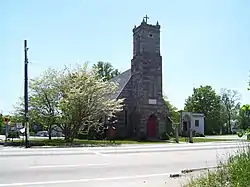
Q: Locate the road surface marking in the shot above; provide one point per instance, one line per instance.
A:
(85, 180)
(170, 149)
(65, 166)
(98, 153)
(94, 152)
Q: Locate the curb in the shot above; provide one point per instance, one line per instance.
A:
(175, 175)
(198, 169)
(186, 171)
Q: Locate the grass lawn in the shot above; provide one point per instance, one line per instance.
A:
(234, 173)
(77, 142)
(201, 139)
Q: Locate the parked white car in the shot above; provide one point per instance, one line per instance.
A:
(42, 133)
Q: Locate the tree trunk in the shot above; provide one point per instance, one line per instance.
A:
(67, 134)
(50, 131)
(229, 124)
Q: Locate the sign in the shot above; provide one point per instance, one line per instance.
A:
(22, 130)
(19, 125)
(152, 101)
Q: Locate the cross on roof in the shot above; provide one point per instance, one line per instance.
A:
(146, 18)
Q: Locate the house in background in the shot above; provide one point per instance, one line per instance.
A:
(192, 121)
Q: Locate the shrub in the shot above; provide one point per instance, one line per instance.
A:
(32, 134)
(142, 136)
(244, 132)
(235, 172)
(92, 133)
(164, 136)
(13, 134)
(240, 134)
(82, 136)
(239, 169)
(197, 134)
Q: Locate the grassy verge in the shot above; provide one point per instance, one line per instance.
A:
(77, 142)
(234, 173)
(200, 140)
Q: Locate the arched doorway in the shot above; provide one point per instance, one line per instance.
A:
(152, 126)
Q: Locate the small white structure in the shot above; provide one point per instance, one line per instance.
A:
(192, 121)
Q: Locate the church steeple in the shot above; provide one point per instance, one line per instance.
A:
(146, 64)
(146, 38)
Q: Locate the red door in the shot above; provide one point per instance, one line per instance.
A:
(152, 126)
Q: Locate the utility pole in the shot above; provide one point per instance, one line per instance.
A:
(26, 106)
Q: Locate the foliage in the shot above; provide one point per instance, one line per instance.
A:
(235, 172)
(231, 105)
(1, 124)
(85, 100)
(196, 134)
(175, 114)
(205, 100)
(105, 70)
(164, 136)
(244, 117)
(18, 114)
(45, 98)
(70, 99)
(82, 135)
(13, 134)
(142, 136)
(240, 134)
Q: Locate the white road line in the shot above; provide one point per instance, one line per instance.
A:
(98, 153)
(95, 152)
(65, 166)
(171, 149)
(85, 180)
(123, 151)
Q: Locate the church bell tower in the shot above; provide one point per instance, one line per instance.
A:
(146, 65)
(146, 72)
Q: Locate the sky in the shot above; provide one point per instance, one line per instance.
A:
(202, 42)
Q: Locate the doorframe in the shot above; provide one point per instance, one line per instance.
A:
(156, 125)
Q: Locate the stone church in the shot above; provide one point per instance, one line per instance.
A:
(145, 113)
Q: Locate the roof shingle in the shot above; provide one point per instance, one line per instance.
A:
(121, 80)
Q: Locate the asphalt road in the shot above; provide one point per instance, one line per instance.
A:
(133, 166)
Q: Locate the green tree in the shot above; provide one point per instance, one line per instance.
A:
(248, 85)
(85, 100)
(18, 114)
(1, 124)
(205, 100)
(174, 112)
(244, 117)
(44, 97)
(105, 70)
(70, 99)
(231, 105)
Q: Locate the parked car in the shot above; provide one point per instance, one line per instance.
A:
(42, 133)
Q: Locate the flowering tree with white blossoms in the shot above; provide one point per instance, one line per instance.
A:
(85, 100)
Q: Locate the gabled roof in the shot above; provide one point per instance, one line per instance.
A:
(121, 80)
